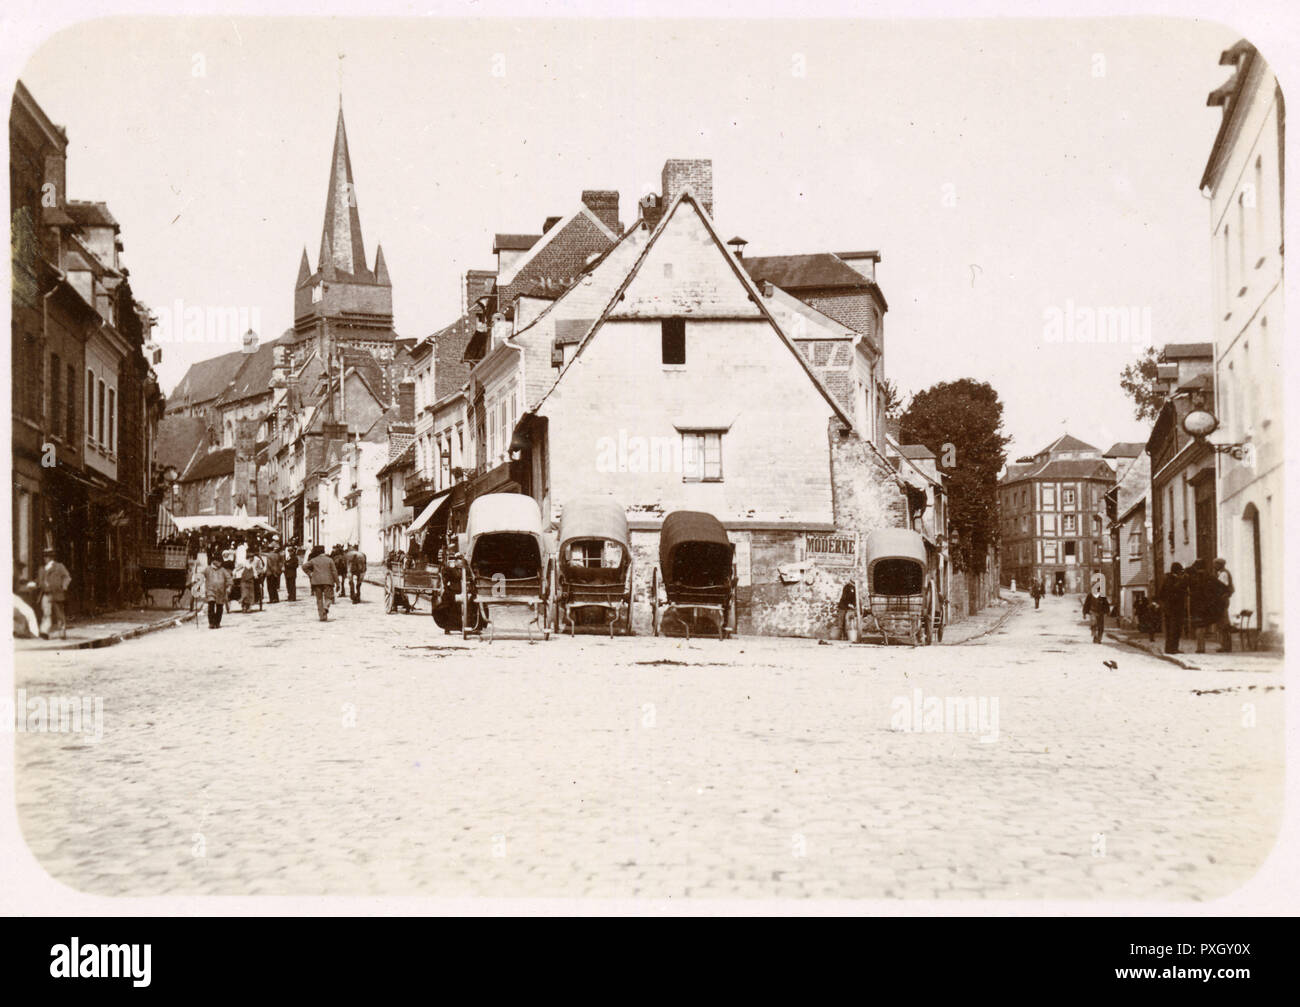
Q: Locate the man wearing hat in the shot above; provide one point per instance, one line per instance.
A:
(53, 580)
(274, 567)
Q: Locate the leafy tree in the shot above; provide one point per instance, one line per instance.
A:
(892, 400)
(1139, 381)
(961, 422)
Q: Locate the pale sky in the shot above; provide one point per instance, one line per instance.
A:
(1002, 168)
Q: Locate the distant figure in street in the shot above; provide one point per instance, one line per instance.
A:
(198, 581)
(1097, 606)
(1173, 604)
(1202, 601)
(53, 580)
(320, 571)
(274, 567)
(291, 557)
(244, 574)
(217, 590)
(1036, 592)
(258, 562)
(232, 591)
(356, 572)
(1225, 591)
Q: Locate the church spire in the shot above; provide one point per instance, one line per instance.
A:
(342, 231)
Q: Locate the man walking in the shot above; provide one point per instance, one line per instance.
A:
(1225, 588)
(1173, 604)
(274, 567)
(323, 577)
(291, 570)
(258, 563)
(1097, 605)
(217, 591)
(1036, 592)
(53, 580)
(1202, 602)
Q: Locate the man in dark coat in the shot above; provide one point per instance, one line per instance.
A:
(1202, 602)
(1173, 603)
(1097, 606)
(291, 570)
(320, 571)
(274, 567)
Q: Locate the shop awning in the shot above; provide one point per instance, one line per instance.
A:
(433, 506)
(213, 522)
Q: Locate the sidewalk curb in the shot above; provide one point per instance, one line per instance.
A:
(131, 634)
(1153, 653)
(1012, 609)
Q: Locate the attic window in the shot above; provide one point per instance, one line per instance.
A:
(673, 339)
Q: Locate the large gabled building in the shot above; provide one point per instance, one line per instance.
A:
(1054, 522)
(1244, 179)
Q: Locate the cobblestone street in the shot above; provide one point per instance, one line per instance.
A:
(376, 755)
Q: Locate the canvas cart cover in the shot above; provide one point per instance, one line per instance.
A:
(504, 512)
(693, 547)
(593, 517)
(896, 562)
(895, 543)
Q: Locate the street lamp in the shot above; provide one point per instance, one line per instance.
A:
(1200, 423)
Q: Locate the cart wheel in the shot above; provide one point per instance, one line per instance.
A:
(654, 601)
(928, 629)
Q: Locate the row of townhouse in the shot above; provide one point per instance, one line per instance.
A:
(86, 402)
(1210, 482)
(656, 364)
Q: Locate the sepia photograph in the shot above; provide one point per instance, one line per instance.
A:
(647, 463)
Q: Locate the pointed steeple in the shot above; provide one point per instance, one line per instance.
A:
(304, 268)
(381, 268)
(342, 221)
(326, 259)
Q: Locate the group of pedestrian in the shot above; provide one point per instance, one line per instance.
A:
(248, 572)
(1198, 597)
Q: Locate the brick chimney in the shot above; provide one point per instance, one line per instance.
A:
(406, 401)
(477, 283)
(679, 173)
(604, 204)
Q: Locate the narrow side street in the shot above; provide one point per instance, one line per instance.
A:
(375, 755)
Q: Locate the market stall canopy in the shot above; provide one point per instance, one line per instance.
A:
(426, 515)
(219, 522)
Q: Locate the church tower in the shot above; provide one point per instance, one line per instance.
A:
(343, 304)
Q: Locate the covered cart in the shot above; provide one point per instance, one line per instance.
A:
(408, 578)
(901, 597)
(504, 561)
(696, 569)
(593, 568)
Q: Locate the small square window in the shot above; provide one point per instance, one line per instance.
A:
(702, 456)
(673, 339)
